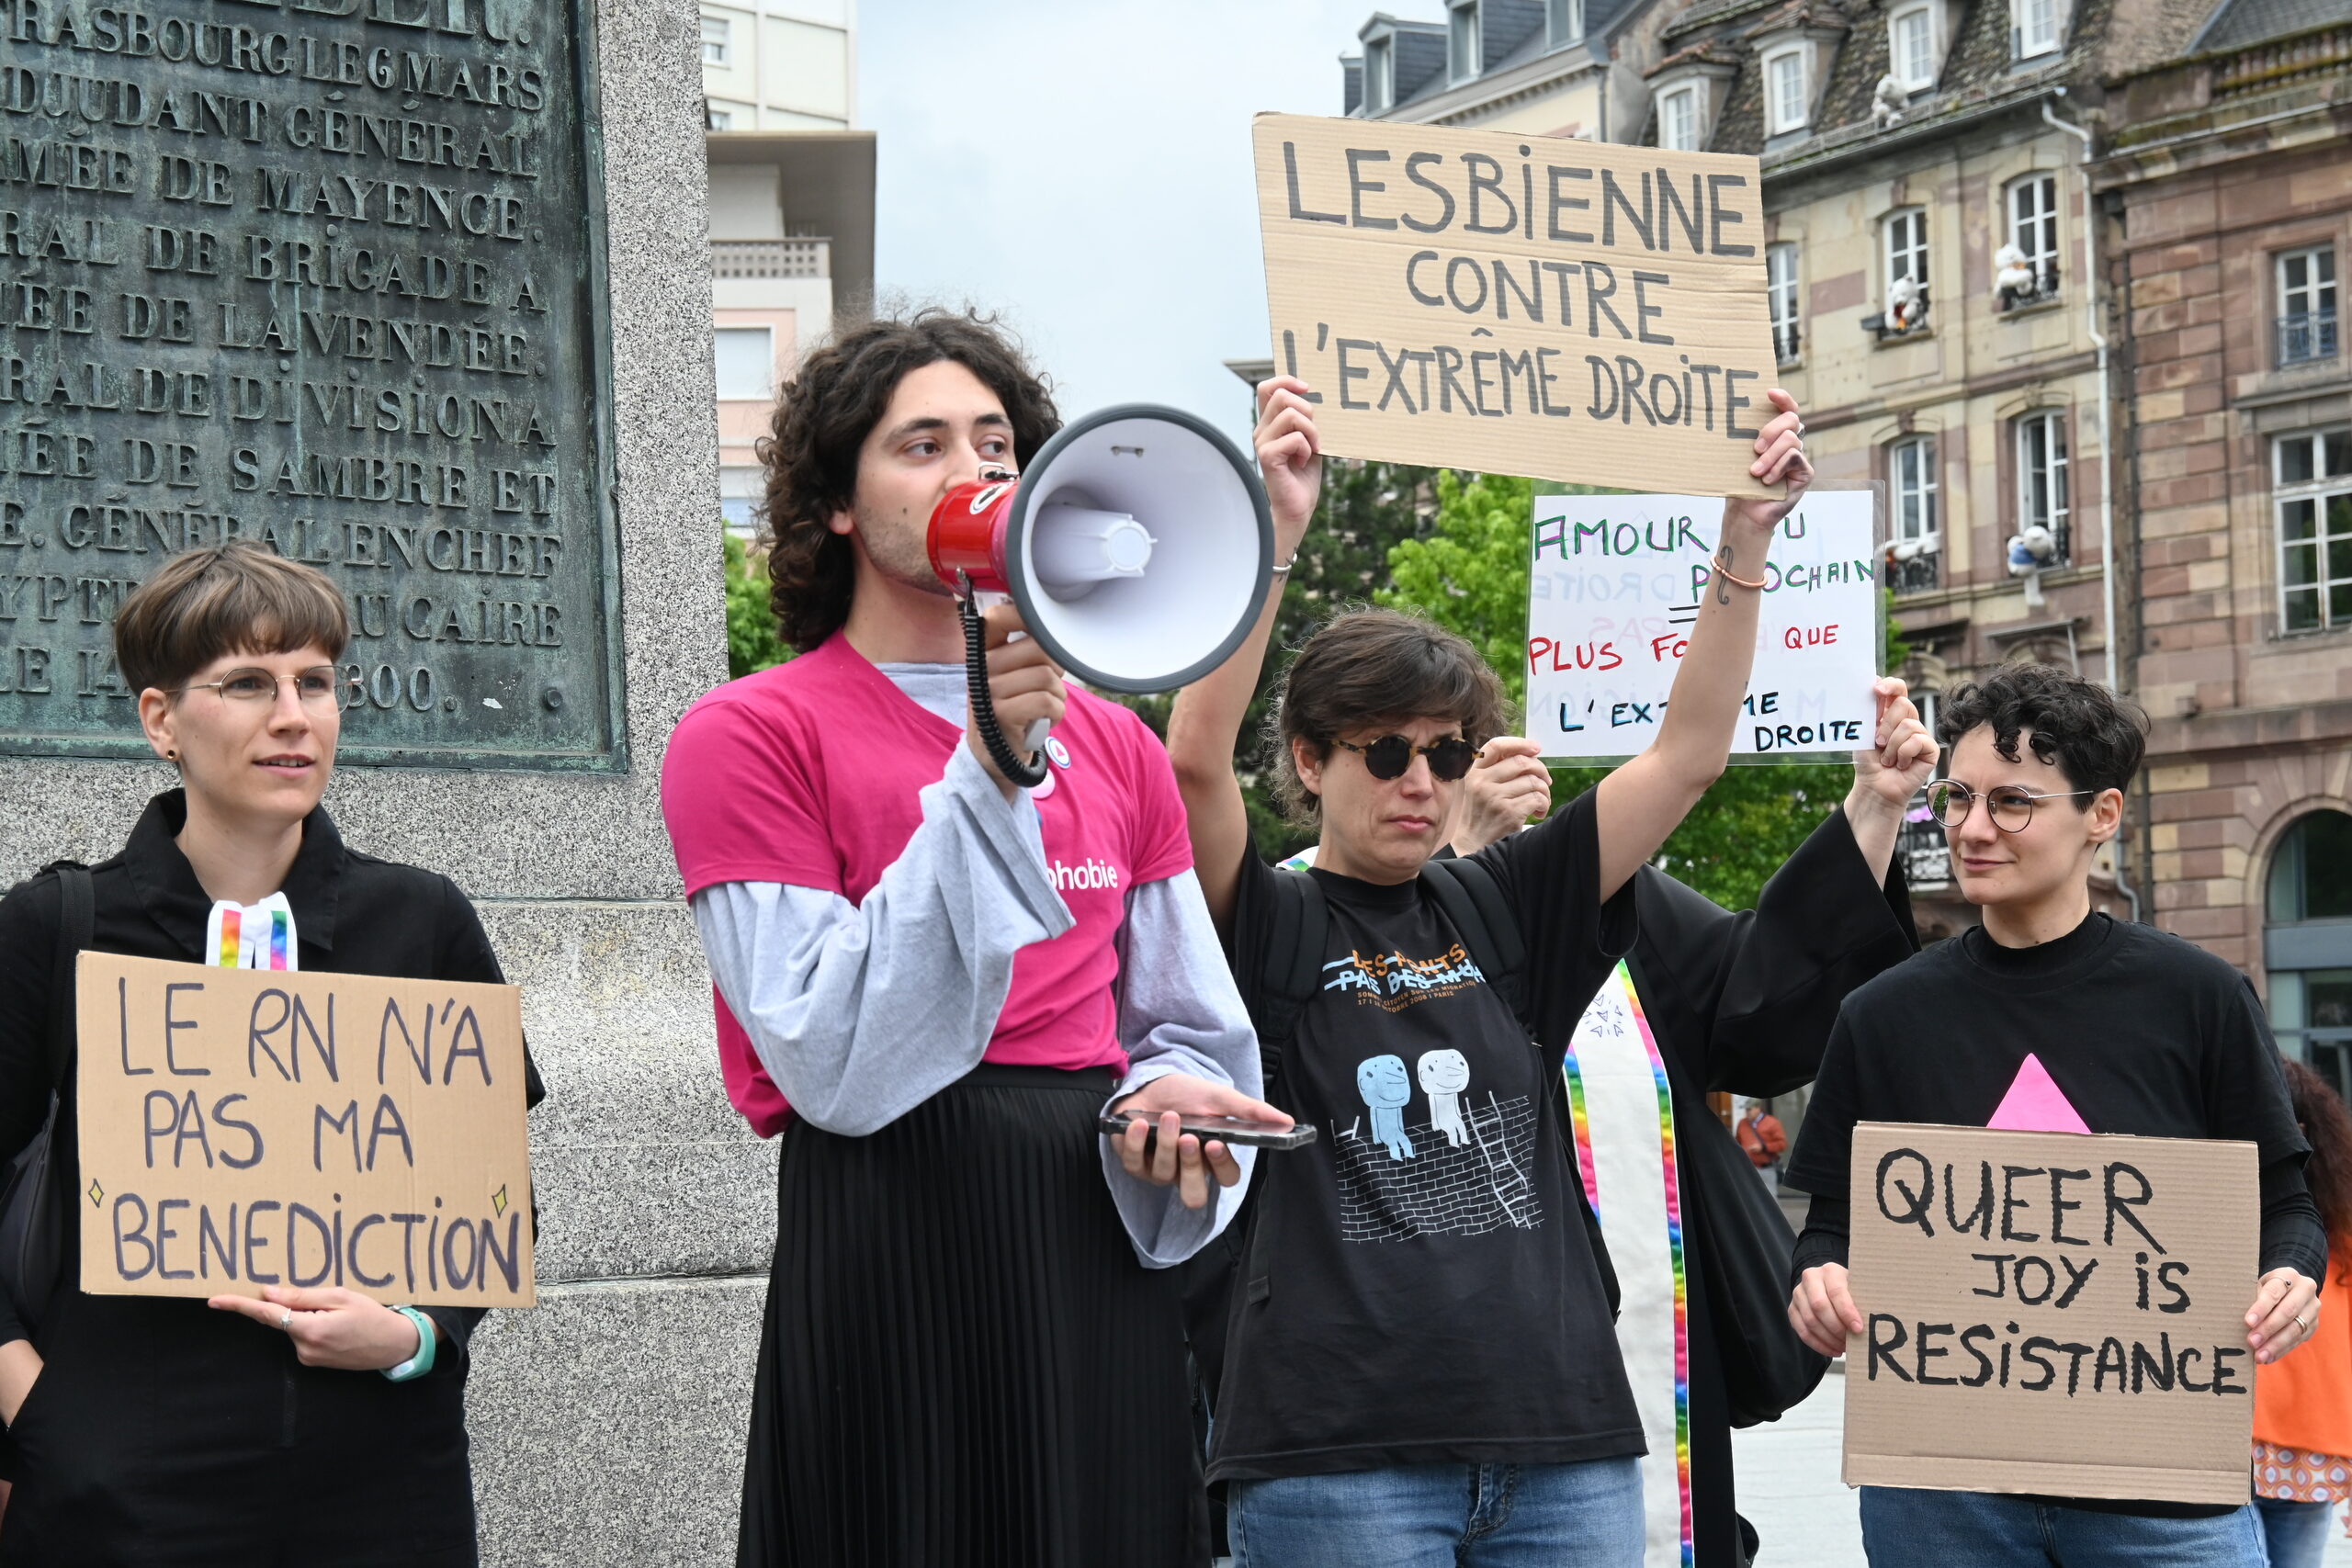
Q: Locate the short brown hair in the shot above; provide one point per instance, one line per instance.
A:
(1367, 667)
(231, 598)
(822, 418)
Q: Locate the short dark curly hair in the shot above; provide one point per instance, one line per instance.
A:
(1366, 667)
(822, 418)
(2090, 734)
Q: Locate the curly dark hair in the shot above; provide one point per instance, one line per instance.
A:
(2328, 1173)
(822, 418)
(2087, 732)
(1366, 667)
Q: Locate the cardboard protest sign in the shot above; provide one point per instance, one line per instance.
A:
(1613, 590)
(248, 1127)
(1520, 304)
(2051, 1313)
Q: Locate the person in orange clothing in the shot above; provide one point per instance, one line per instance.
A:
(2303, 1403)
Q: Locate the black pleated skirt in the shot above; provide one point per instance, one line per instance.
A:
(962, 1361)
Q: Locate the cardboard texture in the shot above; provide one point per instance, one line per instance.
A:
(2051, 1313)
(1614, 591)
(1484, 300)
(248, 1127)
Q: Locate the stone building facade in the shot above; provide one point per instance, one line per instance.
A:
(2230, 174)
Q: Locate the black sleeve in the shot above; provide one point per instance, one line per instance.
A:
(2292, 1236)
(1824, 1145)
(1550, 875)
(1761, 990)
(2245, 1088)
(1828, 1224)
(28, 920)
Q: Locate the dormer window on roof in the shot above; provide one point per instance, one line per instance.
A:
(1379, 75)
(1562, 23)
(1462, 41)
(1788, 90)
(1915, 43)
(1677, 120)
(2036, 28)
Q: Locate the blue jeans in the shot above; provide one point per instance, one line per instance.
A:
(2295, 1533)
(1443, 1515)
(1903, 1527)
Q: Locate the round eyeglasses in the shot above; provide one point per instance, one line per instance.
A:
(2009, 806)
(1389, 757)
(317, 686)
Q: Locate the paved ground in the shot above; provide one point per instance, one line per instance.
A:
(1789, 1488)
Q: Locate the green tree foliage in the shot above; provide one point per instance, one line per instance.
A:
(752, 642)
(1470, 574)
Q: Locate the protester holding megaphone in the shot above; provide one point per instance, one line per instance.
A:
(947, 900)
(1418, 1367)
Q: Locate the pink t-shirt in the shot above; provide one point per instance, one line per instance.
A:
(808, 774)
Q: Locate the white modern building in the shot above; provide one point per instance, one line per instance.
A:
(791, 207)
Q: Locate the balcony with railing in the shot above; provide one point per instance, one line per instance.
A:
(2041, 291)
(1927, 857)
(1787, 343)
(1914, 566)
(801, 256)
(2307, 336)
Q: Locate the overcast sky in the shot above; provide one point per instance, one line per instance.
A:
(1084, 166)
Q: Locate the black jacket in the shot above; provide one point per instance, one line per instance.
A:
(162, 1432)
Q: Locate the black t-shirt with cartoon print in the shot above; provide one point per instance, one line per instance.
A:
(1418, 1286)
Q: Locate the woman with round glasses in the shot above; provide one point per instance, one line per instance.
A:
(2052, 1016)
(1419, 1364)
(311, 1426)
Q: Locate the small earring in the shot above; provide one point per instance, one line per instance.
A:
(171, 756)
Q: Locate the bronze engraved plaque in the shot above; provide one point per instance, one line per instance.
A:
(326, 274)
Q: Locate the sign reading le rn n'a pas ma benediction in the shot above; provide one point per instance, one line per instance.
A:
(242, 1128)
(1520, 304)
(2051, 1313)
(325, 274)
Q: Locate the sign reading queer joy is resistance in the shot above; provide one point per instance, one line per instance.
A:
(1613, 590)
(1520, 304)
(243, 1128)
(2051, 1313)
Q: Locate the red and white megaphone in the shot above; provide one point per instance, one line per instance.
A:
(1137, 548)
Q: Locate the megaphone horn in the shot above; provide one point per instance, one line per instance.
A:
(1137, 547)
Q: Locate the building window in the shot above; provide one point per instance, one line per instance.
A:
(2033, 28)
(740, 490)
(2314, 494)
(1563, 21)
(715, 30)
(1677, 120)
(1911, 49)
(745, 357)
(1913, 465)
(2041, 482)
(1462, 41)
(1379, 76)
(717, 119)
(2034, 233)
(2307, 304)
(2307, 943)
(1780, 278)
(1787, 96)
(1906, 247)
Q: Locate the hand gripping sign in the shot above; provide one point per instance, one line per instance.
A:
(246, 1127)
(1520, 304)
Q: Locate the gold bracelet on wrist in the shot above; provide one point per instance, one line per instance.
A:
(1729, 575)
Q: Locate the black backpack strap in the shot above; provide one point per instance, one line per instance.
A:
(1473, 901)
(1293, 972)
(76, 917)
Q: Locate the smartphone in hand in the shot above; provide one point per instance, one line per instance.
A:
(1235, 1130)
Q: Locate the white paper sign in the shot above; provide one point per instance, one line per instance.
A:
(1615, 593)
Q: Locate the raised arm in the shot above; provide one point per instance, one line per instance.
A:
(1642, 801)
(1208, 714)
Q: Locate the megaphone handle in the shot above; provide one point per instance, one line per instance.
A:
(1029, 775)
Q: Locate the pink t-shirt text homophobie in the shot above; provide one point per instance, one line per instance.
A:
(809, 773)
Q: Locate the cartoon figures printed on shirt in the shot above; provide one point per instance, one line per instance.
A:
(1445, 1075)
(1382, 1082)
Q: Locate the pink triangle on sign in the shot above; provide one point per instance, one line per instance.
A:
(2035, 1104)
